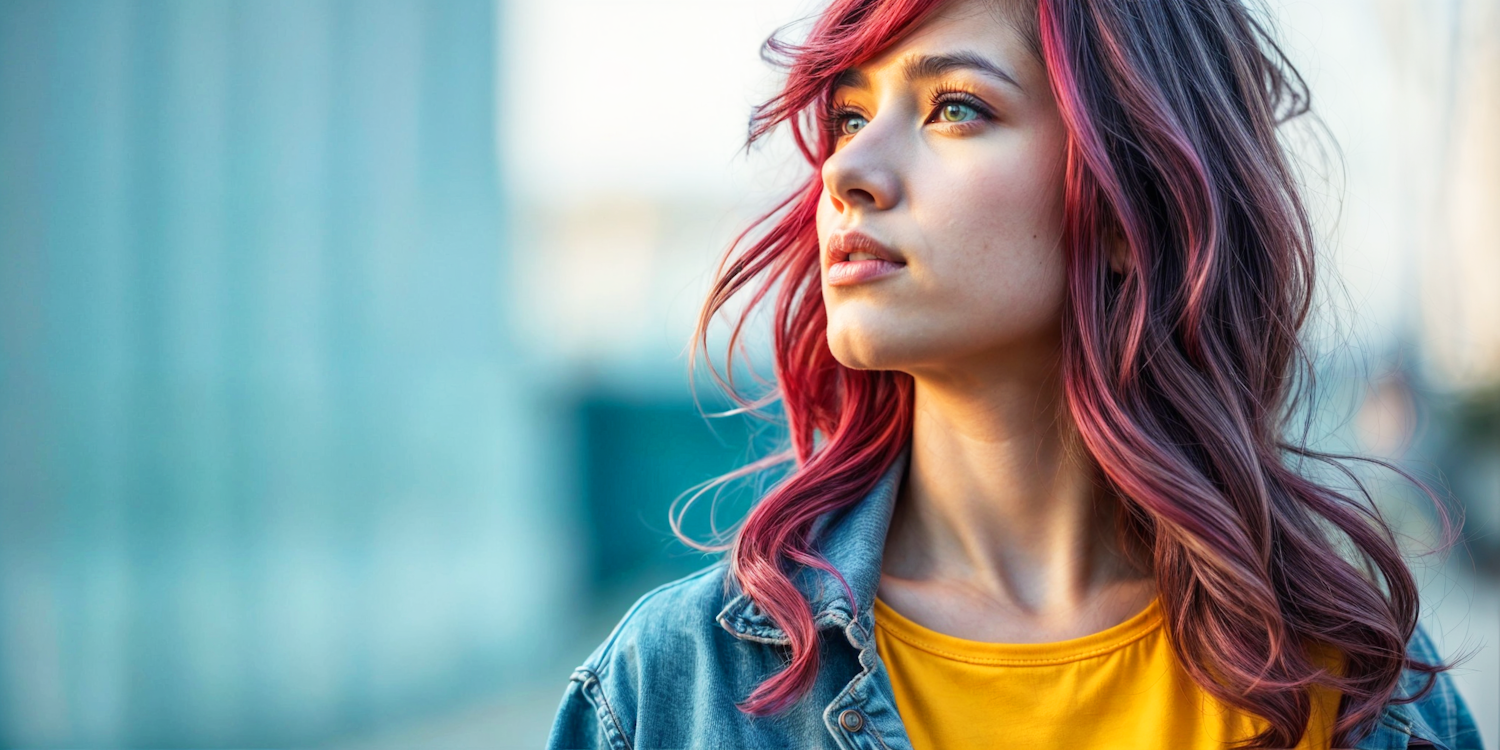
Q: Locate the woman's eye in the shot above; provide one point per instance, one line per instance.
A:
(956, 112)
(852, 124)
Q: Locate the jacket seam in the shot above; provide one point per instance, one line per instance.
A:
(602, 658)
(608, 719)
(855, 690)
(868, 639)
(879, 738)
(745, 629)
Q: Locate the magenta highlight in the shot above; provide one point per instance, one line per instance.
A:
(1181, 372)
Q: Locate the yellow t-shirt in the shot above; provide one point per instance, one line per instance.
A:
(1120, 689)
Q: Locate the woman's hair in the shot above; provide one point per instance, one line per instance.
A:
(1181, 372)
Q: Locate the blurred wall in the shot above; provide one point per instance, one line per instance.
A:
(263, 455)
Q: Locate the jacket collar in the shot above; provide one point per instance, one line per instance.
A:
(1406, 719)
(1401, 724)
(852, 540)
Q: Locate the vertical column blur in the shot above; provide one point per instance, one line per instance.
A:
(265, 460)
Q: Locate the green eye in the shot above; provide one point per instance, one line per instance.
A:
(955, 112)
(852, 124)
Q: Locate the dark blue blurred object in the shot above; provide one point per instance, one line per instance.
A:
(640, 456)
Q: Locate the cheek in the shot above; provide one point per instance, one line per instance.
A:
(822, 216)
(1010, 200)
(993, 235)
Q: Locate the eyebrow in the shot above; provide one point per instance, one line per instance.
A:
(932, 66)
(921, 67)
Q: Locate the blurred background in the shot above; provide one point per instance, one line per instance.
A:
(342, 388)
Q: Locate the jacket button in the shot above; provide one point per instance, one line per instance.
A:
(852, 720)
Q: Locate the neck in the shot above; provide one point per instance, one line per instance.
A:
(1001, 499)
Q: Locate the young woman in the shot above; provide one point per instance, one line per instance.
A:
(1035, 336)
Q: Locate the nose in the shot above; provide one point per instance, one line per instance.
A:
(863, 174)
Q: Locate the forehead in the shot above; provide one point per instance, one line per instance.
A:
(994, 30)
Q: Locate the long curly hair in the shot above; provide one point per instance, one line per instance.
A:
(1181, 371)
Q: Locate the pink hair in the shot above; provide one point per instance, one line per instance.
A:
(1181, 373)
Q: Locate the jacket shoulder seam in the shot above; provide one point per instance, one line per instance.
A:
(600, 662)
(609, 721)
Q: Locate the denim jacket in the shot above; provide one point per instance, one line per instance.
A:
(671, 672)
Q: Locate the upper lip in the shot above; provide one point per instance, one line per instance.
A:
(844, 244)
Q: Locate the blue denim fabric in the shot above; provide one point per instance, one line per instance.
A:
(670, 673)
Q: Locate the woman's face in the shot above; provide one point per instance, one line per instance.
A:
(941, 214)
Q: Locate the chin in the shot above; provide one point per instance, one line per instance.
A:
(869, 348)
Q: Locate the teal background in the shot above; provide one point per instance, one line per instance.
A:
(259, 433)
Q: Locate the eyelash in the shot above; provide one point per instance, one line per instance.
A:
(944, 95)
(833, 119)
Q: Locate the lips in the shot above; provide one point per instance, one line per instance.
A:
(856, 258)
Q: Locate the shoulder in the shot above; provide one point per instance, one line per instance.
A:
(665, 620)
(1436, 712)
(666, 654)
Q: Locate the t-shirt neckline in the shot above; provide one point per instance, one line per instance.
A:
(1089, 646)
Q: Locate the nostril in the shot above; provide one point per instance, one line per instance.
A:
(857, 195)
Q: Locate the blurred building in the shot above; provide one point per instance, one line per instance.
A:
(266, 462)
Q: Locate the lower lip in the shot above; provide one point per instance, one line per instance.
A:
(845, 273)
